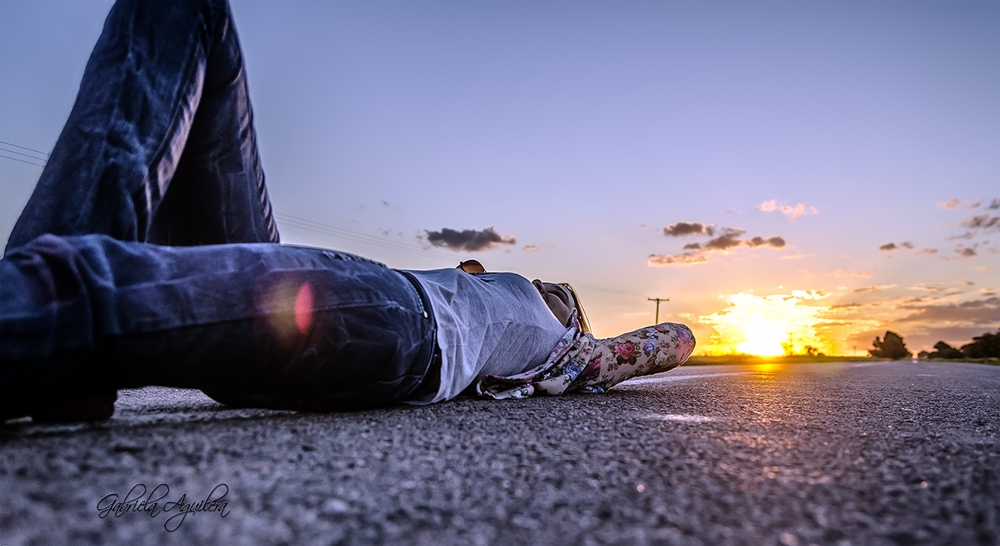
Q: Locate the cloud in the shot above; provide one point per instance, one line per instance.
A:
(695, 252)
(468, 240)
(842, 273)
(930, 287)
(875, 288)
(949, 204)
(796, 256)
(965, 251)
(689, 228)
(776, 242)
(810, 294)
(791, 211)
(928, 251)
(984, 222)
(768, 206)
(979, 312)
(530, 248)
(660, 260)
(994, 204)
(955, 335)
(724, 242)
(888, 247)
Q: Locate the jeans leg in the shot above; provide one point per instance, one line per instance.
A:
(140, 103)
(218, 194)
(278, 326)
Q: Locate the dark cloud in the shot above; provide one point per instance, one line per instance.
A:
(911, 300)
(688, 228)
(994, 205)
(965, 251)
(730, 237)
(983, 313)
(893, 246)
(468, 240)
(776, 242)
(982, 221)
(955, 335)
(723, 242)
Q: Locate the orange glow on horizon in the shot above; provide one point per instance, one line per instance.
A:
(767, 326)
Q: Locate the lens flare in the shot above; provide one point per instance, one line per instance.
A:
(304, 307)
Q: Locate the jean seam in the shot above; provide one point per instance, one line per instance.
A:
(254, 316)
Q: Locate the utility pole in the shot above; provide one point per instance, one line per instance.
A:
(658, 300)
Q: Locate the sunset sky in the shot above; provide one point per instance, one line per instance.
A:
(813, 171)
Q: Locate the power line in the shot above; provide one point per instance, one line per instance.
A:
(46, 154)
(7, 148)
(21, 160)
(23, 154)
(320, 227)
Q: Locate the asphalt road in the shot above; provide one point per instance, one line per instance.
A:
(880, 453)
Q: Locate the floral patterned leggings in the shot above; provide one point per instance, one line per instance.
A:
(582, 363)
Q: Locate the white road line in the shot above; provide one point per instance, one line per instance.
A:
(665, 378)
(680, 417)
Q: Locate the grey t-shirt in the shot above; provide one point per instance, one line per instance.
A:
(487, 324)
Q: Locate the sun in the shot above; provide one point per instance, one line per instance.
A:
(771, 325)
(763, 337)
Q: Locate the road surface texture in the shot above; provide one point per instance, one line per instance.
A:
(887, 453)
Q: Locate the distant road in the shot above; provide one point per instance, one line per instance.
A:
(887, 453)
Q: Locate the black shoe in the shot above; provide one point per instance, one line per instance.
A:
(71, 409)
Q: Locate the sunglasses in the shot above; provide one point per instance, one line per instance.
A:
(473, 266)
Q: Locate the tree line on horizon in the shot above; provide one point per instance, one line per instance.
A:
(893, 347)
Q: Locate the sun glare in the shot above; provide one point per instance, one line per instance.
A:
(767, 325)
(763, 337)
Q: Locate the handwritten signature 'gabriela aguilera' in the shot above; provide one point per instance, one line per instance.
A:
(136, 500)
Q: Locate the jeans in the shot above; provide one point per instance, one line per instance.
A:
(148, 255)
